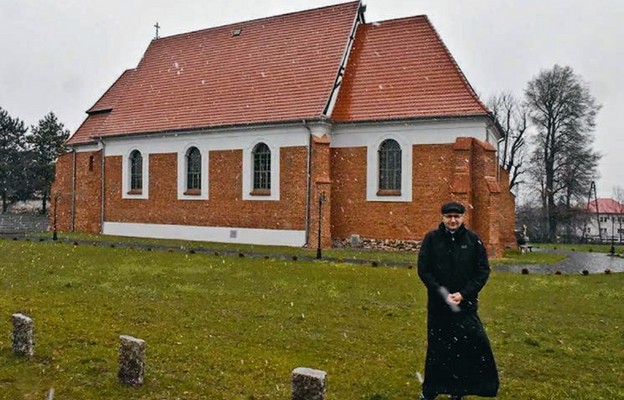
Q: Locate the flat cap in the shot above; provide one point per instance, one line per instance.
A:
(453, 207)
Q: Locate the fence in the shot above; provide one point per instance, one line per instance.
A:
(23, 223)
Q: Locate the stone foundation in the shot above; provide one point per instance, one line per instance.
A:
(378, 244)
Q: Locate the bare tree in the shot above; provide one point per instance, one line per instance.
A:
(512, 116)
(563, 111)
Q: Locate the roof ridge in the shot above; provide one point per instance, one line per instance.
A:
(471, 90)
(398, 19)
(342, 67)
(257, 20)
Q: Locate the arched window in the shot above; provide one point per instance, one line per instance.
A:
(136, 171)
(389, 166)
(193, 169)
(261, 167)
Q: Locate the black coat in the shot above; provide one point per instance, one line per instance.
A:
(459, 356)
(457, 262)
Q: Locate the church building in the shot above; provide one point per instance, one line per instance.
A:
(246, 133)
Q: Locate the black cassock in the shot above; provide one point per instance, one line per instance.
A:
(459, 356)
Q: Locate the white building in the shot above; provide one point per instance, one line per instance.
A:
(605, 221)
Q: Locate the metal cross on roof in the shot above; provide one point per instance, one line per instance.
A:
(157, 28)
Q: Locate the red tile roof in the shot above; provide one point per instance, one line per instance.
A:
(284, 68)
(89, 129)
(606, 206)
(99, 113)
(280, 68)
(402, 69)
(114, 93)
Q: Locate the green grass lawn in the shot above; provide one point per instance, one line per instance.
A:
(287, 251)
(344, 254)
(234, 328)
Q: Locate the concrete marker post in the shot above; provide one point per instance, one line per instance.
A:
(131, 360)
(23, 335)
(308, 384)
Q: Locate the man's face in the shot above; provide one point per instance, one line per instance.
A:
(452, 221)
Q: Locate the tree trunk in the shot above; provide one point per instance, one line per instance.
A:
(551, 151)
(550, 202)
(44, 202)
(552, 219)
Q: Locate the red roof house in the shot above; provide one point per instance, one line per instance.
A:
(234, 133)
(604, 220)
(605, 206)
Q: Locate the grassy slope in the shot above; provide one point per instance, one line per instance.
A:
(234, 328)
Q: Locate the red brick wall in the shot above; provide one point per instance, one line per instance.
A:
(320, 183)
(495, 219)
(87, 196)
(462, 189)
(484, 220)
(432, 167)
(464, 171)
(224, 206)
(441, 173)
(62, 187)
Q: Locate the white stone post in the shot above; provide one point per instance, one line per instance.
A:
(131, 360)
(308, 384)
(23, 337)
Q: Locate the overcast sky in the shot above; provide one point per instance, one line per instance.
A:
(61, 55)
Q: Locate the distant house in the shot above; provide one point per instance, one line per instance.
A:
(604, 220)
(235, 133)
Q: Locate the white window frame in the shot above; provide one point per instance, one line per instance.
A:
(248, 172)
(372, 170)
(125, 175)
(182, 175)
